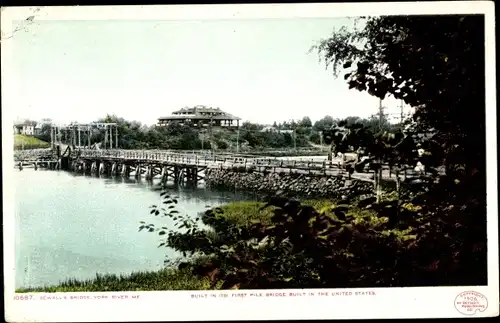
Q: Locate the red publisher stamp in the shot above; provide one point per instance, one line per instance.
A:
(468, 303)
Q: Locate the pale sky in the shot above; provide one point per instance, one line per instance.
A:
(259, 70)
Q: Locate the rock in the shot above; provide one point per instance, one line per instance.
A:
(285, 183)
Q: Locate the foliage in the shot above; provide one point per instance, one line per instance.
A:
(133, 135)
(339, 246)
(431, 233)
(435, 64)
(44, 133)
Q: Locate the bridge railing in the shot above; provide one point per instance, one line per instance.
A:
(211, 160)
(167, 156)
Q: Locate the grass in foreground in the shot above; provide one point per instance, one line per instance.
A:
(243, 213)
(164, 279)
(29, 142)
(240, 213)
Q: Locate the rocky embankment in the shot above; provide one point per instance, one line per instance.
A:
(306, 185)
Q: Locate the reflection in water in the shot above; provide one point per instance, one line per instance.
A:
(74, 225)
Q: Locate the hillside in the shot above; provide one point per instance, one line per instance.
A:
(29, 142)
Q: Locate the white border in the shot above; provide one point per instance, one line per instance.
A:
(180, 306)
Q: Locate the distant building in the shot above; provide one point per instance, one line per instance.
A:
(25, 128)
(201, 116)
(275, 129)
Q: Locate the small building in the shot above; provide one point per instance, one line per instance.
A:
(276, 130)
(201, 116)
(269, 129)
(25, 128)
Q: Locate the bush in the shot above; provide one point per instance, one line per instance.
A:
(284, 244)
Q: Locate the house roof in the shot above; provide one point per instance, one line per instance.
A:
(199, 117)
(25, 123)
(196, 113)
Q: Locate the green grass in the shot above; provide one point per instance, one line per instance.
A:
(165, 279)
(242, 213)
(29, 142)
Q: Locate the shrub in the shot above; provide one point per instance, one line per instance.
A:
(284, 244)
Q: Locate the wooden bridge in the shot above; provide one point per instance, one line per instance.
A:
(183, 167)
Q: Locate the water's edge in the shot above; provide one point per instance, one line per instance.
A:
(71, 225)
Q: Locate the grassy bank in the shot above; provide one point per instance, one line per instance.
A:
(239, 213)
(29, 142)
(165, 279)
(243, 213)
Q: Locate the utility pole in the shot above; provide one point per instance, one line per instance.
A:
(380, 114)
(111, 137)
(211, 135)
(238, 139)
(378, 171)
(89, 135)
(105, 137)
(116, 136)
(202, 135)
(52, 137)
(295, 140)
(402, 115)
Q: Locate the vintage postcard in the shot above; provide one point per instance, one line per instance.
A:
(249, 162)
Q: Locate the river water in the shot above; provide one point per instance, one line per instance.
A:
(74, 226)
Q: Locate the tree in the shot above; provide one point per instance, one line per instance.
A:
(436, 65)
(305, 122)
(426, 61)
(44, 133)
(434, 235)
(325, 123)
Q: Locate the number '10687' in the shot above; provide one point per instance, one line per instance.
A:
(23, 297)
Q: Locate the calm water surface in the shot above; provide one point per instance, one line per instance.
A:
(74, 226)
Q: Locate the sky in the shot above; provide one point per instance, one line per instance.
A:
(257, 69)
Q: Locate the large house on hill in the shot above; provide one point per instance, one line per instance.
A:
(201, 116)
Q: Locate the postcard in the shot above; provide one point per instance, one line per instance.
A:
(249, 162)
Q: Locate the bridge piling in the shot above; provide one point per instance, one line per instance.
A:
(164, 174)
(138, 171)
(148, 173)
(125, 170)
(176, 174)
